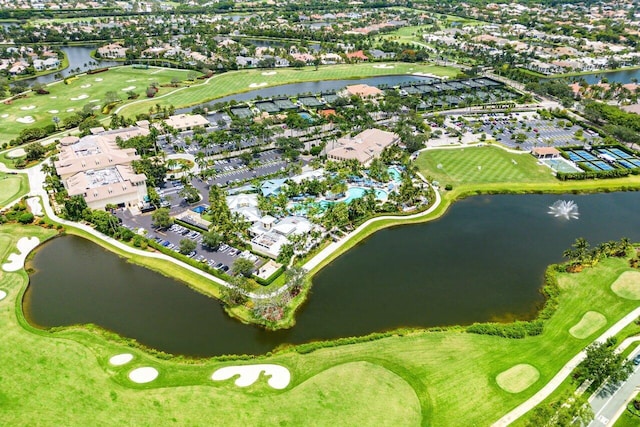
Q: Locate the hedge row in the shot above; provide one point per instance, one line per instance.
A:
(615, 173)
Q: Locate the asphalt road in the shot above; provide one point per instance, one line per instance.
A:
(609, 400)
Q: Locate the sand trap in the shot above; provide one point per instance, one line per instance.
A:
(54, 111)
(70, 110)
(249, 374)
(121, 359)
(590, 323)
(98, 79)
(26, 120)
(518, 378)
(85, 86)
(18, 152)
(269, 73)
(258, 84)
(383, 66)
(424, 75)
(96, 107)
(4, 116)
(16, 261)
(53, 97)
(95, 100)
(3, 295)
(35, 206)
(143, 375)
(128, 88)
(627, 285)
(30, 107)
(131, 80)
(79, 97)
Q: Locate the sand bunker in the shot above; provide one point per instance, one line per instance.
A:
(95, 100)
(249, 374)
(269, 73)
(54, 111)
(79, 97)
(627, 285)
(26, 120)
(99, 79)
(4, 116)
(17, 153)
(383, 66)
(30, 107)
(16, 261)
(35, 206)
(3, 295)
(121, 359)
(258, 84)
(518, 378)
(143, 375)
(131, 80)
(53, 97)
(128, 88)
(424, 75)
(85, 86)
(70, 110)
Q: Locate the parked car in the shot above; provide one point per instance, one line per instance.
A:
(636, 360)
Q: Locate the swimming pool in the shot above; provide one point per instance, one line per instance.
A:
(358, 192)
(394, 174)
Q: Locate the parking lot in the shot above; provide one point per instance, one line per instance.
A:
(221, 259)
(539, 132)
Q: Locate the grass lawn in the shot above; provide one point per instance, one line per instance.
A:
(481, 165)
(12, 187)
(628, 285)
(627, 419)
(241, 81)
(66, 99)
(420, 378)
(518, 378)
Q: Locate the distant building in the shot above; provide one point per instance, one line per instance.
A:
(97, 169)
(363, 147)
(186, 121)
(363, 91)
(113, 51)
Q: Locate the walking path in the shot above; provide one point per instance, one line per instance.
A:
(564, 372)
(37, 180)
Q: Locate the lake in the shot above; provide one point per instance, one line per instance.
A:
(484, 260)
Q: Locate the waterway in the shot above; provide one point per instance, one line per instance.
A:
(80, 60)
(484, 260)
(621, 76)
(310, 87)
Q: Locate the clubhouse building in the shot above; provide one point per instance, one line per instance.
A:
(97, 169)
(363, 147)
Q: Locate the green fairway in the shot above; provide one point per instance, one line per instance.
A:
(67, 99)
(246, 80)
(481, 165)
(428, 378)
(12, 187)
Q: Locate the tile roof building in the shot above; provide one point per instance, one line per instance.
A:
(363, 147)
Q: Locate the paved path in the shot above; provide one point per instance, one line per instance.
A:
(565, 371)
(610, 401)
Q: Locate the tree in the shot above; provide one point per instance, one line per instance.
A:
(242, 266)
(161, 218)
(190, 193)
(75, 207)
(602, 363)
(187, 246)
(35, 151)
(211, 239)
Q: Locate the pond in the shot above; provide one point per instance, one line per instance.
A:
(309, 87)
(620, 76)
(484, 260)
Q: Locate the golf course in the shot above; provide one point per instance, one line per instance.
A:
(84, 374)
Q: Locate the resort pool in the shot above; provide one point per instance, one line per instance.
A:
(394, 174)
(306, 116)
(358, 192)
(199, 209)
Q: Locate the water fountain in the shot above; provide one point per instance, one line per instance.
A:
(566, 209)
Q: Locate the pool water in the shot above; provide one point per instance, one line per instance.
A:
(358, 192)
(394, 174)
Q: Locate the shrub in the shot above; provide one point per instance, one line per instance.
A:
(25, 218)
(448, 187)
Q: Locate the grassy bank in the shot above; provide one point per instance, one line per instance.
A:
(412, 378)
